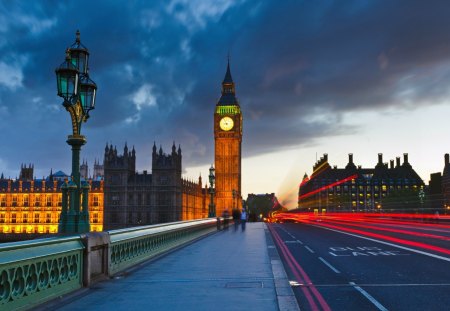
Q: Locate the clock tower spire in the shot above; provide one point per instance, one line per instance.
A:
(228, 141)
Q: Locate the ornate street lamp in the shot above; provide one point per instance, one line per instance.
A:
(212, 178)
(78, 92)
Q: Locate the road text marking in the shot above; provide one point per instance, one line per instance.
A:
(363, 251)
(390, 244)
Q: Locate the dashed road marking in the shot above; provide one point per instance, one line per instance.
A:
(368, 296)
(329, 265)
(309, 249)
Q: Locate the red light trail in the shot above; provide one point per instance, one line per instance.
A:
(328, 186)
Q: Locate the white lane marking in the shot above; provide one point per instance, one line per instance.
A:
(310, 250)
(390, 244)
(329, 265)
(368, 296)
(299, 241)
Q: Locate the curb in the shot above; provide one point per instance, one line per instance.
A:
(285, 296)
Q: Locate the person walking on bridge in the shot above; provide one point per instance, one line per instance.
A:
(236, 217)
(243, 219)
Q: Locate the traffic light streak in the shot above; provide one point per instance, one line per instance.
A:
(426, 235)
(328, 186)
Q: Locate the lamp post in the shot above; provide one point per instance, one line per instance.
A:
(212, 178)
(78, 92)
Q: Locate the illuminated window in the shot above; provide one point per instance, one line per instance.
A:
(36, 218)
(25, 218)
(14, 200)
(3, 201)
(59, 200)
(13, 218)
(95, 218)
(38, 201)
(383, 187)
(2, 218)
(48, 218)
(26, 201)
(95, 203)
(49, 200)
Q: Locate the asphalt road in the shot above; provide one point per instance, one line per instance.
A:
(360, 265)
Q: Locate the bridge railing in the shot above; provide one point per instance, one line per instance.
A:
(32, 272)
(129, 247)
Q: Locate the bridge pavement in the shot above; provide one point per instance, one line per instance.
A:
(229, 270)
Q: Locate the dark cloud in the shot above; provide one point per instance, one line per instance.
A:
(298, 66)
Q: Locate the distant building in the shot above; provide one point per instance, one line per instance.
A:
(133, 199)
(260, 205)
(84, 170)
(29, 205)
(439, 187)
(446, 181)
(355, 188)
(98, 171)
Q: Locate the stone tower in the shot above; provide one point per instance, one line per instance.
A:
(228, 142)
(166, 184)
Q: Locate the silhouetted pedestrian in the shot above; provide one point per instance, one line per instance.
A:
(243, 219)
(236, 218)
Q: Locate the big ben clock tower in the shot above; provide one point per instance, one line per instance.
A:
(228, 141)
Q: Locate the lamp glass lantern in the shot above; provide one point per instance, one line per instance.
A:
(67, 79)
(88, 90)
(79, 55)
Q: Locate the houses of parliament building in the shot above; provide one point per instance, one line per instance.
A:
(30, 205)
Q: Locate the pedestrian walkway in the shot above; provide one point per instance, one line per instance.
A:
(228, 270)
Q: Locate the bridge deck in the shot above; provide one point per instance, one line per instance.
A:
(229, 270)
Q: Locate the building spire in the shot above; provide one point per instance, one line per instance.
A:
(228, 97)
(228, 79)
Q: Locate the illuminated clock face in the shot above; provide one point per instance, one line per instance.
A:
(226, 123)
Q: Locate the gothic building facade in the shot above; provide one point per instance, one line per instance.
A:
(228, 123)
(134, 199)
(354, 188)
(30, 205)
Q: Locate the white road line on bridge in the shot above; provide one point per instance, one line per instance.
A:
(299, 241)
(329, 265)
(368, 296)
(309, 249)
(390, 244)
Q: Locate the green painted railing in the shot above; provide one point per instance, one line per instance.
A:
(131, 246)
(33, 272)
(36, 271)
